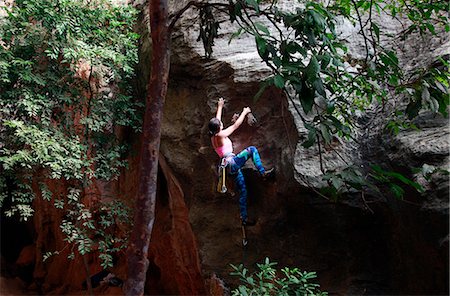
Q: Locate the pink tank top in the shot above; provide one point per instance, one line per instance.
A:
(226, 148)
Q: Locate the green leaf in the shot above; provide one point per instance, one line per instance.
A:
(325, 61)
(430, 27)
(325, 133)
(318, 19)
(397, 190)
(243, 291)
(311, 137)
(297, 86)
(261, 45)
(393, 80)
(318, 86)
(46, 193)
(253, 3)
(383, 174)
(236, 34)
(237, 11)
(406, 181)
(393, 56)
(312, 70)
(376, 30)
(336, 182)
(307, 98)
(261, 27)
(444, 102)
(311, 37)
(278, 80)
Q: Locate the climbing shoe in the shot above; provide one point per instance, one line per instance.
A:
(269, 174)
(249, 222)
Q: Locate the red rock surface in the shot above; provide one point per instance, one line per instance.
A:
(174, 261)
(173, 247)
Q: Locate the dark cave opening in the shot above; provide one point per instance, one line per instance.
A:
(15, 235)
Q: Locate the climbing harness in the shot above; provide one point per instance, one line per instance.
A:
(221, 185)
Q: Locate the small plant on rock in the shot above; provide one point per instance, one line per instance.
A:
(270, 281)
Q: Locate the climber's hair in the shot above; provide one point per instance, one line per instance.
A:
(214, 126)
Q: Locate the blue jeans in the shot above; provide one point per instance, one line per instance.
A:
(236, 164)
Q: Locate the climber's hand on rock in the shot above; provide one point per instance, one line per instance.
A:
(246, 110)
(220, 102)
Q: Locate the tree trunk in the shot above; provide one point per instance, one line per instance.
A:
(144, 214)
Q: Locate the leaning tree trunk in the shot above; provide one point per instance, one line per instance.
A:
(144, 214)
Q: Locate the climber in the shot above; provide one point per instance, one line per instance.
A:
(224, 148)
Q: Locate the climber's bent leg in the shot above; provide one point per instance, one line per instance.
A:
(256, 159)
(250, 152)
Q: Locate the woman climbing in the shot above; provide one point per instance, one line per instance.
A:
(224, 148)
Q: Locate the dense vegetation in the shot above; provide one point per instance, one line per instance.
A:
(66, 68)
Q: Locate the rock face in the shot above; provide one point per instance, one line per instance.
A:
(173, 251)
(400, 248)
(354, 251)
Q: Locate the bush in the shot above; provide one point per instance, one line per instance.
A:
(269, 281)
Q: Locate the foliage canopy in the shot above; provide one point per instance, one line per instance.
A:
(66, 68)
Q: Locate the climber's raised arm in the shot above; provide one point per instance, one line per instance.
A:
(229, 130)
(220, 104)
